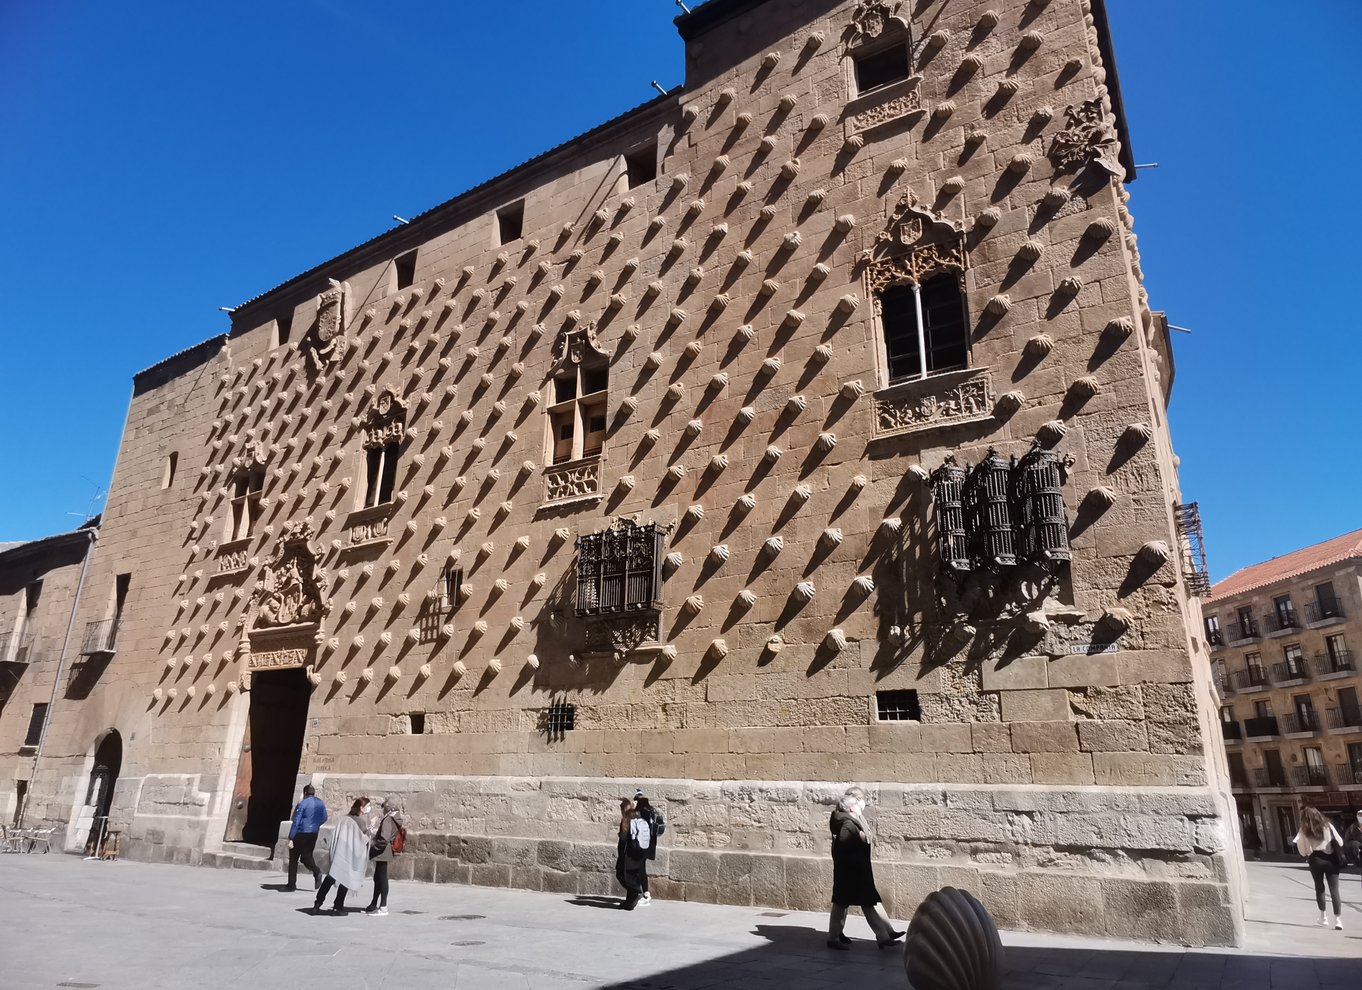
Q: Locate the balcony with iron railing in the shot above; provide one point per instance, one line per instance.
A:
(1261, 727)
(1243, 631)
(1338, 663)
(1309, 776)
(1232, 731)
(1270, 776)
(1345, 719)
(1348, 775)
(1281, 621)
(100, 636)
(1323, 611)
(1251, 677)
(1215, 639)
(1301, 722)
(1224, 684)
(1290, 670)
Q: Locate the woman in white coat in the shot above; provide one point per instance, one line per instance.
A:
(349, 856)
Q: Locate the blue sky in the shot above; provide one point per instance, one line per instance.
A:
(164, 159)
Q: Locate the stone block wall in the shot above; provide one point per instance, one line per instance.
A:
(749, 412)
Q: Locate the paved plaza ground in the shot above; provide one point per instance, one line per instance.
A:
(120, 926)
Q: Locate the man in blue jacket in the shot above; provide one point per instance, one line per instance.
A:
(308, 819)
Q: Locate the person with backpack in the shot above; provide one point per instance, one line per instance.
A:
(390, 837)
(1321, 844)
(657, 825)
(635, 838)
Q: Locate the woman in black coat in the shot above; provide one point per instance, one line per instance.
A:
(853, 877)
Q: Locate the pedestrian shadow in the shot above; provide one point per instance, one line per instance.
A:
(283, 887)
(595, 901)
(326, 912)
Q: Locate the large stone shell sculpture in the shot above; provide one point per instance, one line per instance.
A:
(953, 944)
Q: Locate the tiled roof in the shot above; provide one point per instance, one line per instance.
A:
(1312, 558)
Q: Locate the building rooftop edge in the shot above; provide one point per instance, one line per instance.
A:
(449, 204)
(198, 352)
(12, 553)
(1288, 566)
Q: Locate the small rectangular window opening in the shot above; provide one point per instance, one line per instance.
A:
(640, 165)
(35, 725)
(405, 266)
(511, 221)
(452, 580)
(417, 723)
(559, 718)
(283, 329)
(168, 473)
(881, 68)
(897, 706)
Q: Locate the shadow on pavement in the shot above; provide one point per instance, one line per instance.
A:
(596, 901)
(796, 956)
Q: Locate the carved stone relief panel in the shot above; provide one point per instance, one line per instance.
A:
(575, 479)
(292, 588)
(1086, 138)
(326, 340)
(872, 18)
(941, 400)
(234, 556)
(577, 346)
(883, 106)
(385, 421)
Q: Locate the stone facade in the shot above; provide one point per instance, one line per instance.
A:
(40, 582)
(1282, 636)
(393, 466)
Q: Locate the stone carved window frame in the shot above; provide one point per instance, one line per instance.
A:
(574, 472)
(382, 431)
(876, 26)
(915, 245)
(245, 490)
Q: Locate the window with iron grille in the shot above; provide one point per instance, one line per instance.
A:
(440, 604)
(897, 706)
(559, 718)
(997, 513)
(619, 569)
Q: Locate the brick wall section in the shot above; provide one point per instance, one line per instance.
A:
(1000, 706)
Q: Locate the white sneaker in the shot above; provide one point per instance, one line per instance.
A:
(645, 900)
(378, 912)
(1338, 922)
(1323, 920)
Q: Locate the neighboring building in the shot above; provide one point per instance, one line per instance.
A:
(1282, 635)
(40, 583)
(666, 459)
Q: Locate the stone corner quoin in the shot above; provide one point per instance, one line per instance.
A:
(622, 469)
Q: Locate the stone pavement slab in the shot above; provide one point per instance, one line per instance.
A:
(133, 926)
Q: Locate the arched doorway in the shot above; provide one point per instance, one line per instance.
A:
(99, 791)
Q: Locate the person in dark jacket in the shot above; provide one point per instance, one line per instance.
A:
(1352, 841)
(853, 877)
(631, 861)
(644, 809)
(381, 852)
(308, 819)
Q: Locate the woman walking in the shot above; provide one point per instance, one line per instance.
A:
(853, 877)
(630, 852)
(349, 857)
(653, 818)
(1320, 842)
(381, 851)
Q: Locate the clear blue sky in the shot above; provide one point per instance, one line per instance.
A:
(164, 159)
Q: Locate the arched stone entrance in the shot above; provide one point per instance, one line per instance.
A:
(100, 788)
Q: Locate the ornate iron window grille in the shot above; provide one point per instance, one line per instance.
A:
(1000, 513)
(619, 569)
(948, 495)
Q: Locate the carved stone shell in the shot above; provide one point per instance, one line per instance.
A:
(747, 598)
(953, 944)
(805, 590)
(1052, 432)
(718, 649)
(831, 536)
(694, 604)
(1085, 387)
(1155, 552)
(746, 503)
(864, 584)
(1103, 496)
(1040, 345)
(773, 546)
(998, 305)
(1031, 250)
(1140, 432)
